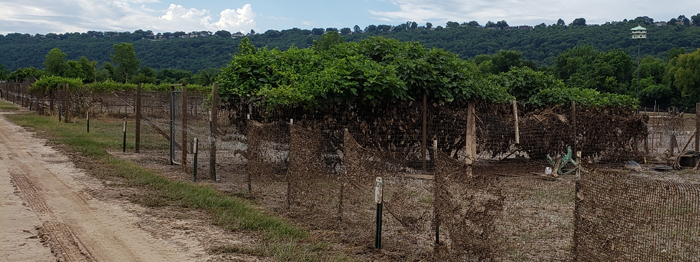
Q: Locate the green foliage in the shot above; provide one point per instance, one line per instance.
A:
(4, 74)
(524, 83)
(582, 96)
(127, 63)
(328, 40)
(24, 73)
(372, 71)
(46, 84)
(683, 73)
(56, 62)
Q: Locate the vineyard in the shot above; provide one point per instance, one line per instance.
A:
(307, 133)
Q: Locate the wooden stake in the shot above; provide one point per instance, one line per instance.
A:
(184, 126)
(138, 119)
(425, 132)
(212, 129)
(697, 126)
(470, 147)
(573, 125)
(517, 130)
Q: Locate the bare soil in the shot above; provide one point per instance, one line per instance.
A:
(53, 211)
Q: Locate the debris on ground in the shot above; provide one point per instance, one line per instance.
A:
(633, 165)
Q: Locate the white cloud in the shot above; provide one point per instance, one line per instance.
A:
(58, 16)
(517, 12)
(306, 23)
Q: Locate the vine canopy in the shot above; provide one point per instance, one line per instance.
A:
(374, 70)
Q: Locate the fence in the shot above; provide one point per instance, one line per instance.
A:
(623, 217)
(443, 165)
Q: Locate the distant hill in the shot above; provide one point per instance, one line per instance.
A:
(184, 51)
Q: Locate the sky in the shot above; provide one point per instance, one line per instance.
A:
(61, 16)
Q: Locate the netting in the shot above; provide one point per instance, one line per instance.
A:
(320, 168)
(468, 206)
(623, 217)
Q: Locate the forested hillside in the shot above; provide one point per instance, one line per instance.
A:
(541, 43)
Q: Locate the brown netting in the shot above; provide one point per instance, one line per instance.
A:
(314, 188)
(623, 217)
(406, 196)
(468, 206)
(268, 159)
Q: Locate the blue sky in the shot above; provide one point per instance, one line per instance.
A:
(60, 16)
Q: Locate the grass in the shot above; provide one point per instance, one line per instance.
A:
(287, 242)
(5, 106)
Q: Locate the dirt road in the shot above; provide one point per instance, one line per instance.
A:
(45, 209)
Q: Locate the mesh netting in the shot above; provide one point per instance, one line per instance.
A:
(407, 200)
(268, 161)
(623, 217)
(468, 206)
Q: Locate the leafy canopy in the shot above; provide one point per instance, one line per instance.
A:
(374, 70)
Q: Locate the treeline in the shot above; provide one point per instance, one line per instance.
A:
(593, 57)
(124, 67)
(194, 51)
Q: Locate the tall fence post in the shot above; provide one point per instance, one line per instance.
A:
(437, 216)
(573, 127)
(379, 199)
(697, 126)
(194, 149)
(172, 123)
(470, 144)
(425, 132)
(137, 134)
(517, 128)
(184, 125)
(213, 116)
(65, 103)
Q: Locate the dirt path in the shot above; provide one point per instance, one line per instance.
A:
(50, 196)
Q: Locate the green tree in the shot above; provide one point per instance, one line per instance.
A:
(561, 22)
(328, 40)
(56, 62)
(429, 25)
(473, 23)
(127, 63)
(89, 69)
(524, 83)
(223, 33)
(24, 73)
(3, 72)
(357, 29)
(683, 73)
(451, 24)
(345, 30)
(146, 75)
(504, 60)
(75, 70)
(579, 22)
(318, 31)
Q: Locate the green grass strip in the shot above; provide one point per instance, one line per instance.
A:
(228, 212)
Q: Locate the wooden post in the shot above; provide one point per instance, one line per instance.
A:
(65, 103)
(184, 125)
(697, 126)
(213, 116)
(517, 130)
(470, 147)
(573, 127)
(425, 132)
(137, 134)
